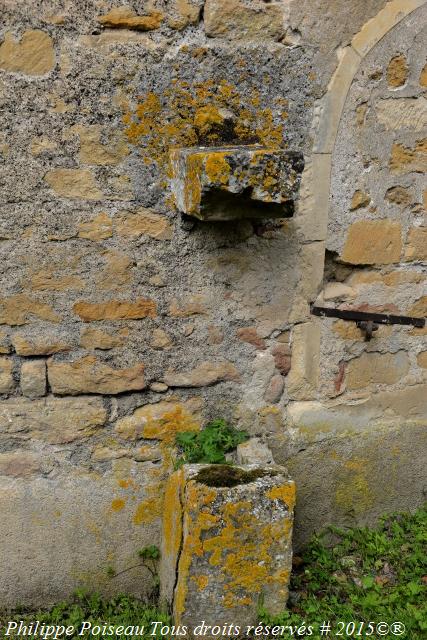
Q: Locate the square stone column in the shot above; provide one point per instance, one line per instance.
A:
(227, 543)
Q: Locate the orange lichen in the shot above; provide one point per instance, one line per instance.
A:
(206, 118)
(189, 115)
(148, 510)
(118, 504)
(196, 521)
(217, 168)
(172, 516)
(285, 492)
(164, 429)
(201, 581)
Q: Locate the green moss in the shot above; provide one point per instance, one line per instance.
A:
(223, 475)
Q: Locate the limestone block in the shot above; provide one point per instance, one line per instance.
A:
(100, 228)
(203, 375)
(303, 378)
(160, 339)
(225, 183)
(376, 368)
(40, 344)
(183, 13)
(397, 71)
(422, 359)
(88, 375)
(73, 183)
(18, 309)
(33, 378)
(314, 196)
(402, 113)
(406, 159)
(143, 222)
(398, 195)
(416, 248)
(94, 151)
(253, 451)
(92, 338)
(53, 420)
(33, 55)
(328, 111)
(7, 382)
(226, 542)
(237, 20)
(336, 290)
(22, 464)
(359, 200)
(4, 343)
(115, 310)
(126, 18)
(373, 242)
(61, 533)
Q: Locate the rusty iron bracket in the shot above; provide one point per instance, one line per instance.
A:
(366, 321)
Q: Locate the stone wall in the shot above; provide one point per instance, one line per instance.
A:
(121, 323)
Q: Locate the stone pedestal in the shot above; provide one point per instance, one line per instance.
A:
(227, 543)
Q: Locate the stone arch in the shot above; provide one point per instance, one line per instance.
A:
(314, 207)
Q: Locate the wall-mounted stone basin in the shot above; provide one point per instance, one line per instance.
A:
(229, 183)
(227, 543)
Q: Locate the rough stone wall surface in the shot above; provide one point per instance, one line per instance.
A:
(121, 325)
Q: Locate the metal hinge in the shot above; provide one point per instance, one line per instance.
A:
(365, 320)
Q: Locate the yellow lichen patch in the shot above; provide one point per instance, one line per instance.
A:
(148, 510)
(128, 484)
(186, 116)
(118, 504)
(206, 118)
(217, 168)
(196, 521)
(169, 424)
(285, 492)
(192, 187)
(201, 581)
(172, 518)
(354, 494)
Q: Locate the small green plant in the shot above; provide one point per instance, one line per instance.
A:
(149, 556)
(209, 445)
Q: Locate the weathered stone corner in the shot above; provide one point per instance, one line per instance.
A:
(228, 183)
(226, 545)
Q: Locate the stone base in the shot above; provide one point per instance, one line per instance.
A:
(226, 546)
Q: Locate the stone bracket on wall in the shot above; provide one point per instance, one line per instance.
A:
(229, 183)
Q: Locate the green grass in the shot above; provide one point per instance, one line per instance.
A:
(119, 611)
(377, 575)
(368, 575)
